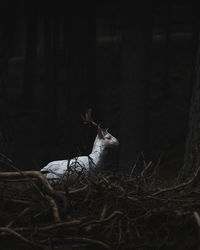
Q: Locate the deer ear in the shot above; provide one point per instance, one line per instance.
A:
(100, 133)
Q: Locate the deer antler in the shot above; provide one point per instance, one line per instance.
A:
(87, 118)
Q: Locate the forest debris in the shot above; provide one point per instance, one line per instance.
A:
(107, 211)
(12, 232)
(29, 174)
(37, 174)
(173, 188)
(146, 167)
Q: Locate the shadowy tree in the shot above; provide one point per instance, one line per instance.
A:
(136, 44)
(30, 65)
(4, 120)
(51, 47)
(80, 49)
(168, 6)
(192, 150)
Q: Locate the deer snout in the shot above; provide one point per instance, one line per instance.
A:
(117, 143)
(114, 142)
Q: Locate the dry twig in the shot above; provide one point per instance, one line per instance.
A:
(54, 208)
(19, 236)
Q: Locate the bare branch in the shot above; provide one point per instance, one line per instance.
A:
(19, 236)
(87, 240)
(54, 208)
(197, 218)
(50, 227)
(178, 186)
(26, 210)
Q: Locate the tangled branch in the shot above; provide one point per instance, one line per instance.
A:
(109, 211)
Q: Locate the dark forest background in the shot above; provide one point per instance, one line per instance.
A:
(132, 64)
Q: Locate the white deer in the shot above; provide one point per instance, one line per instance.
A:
(57, 170)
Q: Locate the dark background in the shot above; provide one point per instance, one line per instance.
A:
(133, 65)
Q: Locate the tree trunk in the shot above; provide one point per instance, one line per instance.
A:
(91, 91)
(4, 119)
(192, 150)
(136, 43)
(30, 57)
(67, 86)
(79, 46)
(51, 46)
(168, 25)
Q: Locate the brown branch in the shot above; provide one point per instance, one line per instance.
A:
(22, 173)
(86, 240)
(116, 212)
(132, 199)
(197, 218)
(104, 220)
(18, 201)
(19, 236)
(178, 186)
(164, 190)
(26, 210)
(103, 213)
(147, 166)
(38, 174)
(78, 190)
(50, 227)
(48, 188)
(54, 208)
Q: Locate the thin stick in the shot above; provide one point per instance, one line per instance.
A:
(147, 166)
(86, 240)
(19, 201)
(54, 208)
(103, 213)
(52, 226)
(172, 188)
(38, 174)
(19, 215)
(19, 236)
(178, 186)
(78, 190)
(197, 218)
(116, 212)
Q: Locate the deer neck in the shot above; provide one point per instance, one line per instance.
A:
(97, 155)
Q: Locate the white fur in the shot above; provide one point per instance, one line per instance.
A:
(56, 170)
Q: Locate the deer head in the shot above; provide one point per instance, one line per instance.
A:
(104, 138)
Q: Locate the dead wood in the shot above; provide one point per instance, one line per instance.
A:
(109, 211)
(29, 242)
(54, 208)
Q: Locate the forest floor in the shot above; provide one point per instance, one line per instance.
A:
(108, 211)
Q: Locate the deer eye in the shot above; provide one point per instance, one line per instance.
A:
(108, 137)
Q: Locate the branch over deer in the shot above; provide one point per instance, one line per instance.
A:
(96, 160)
